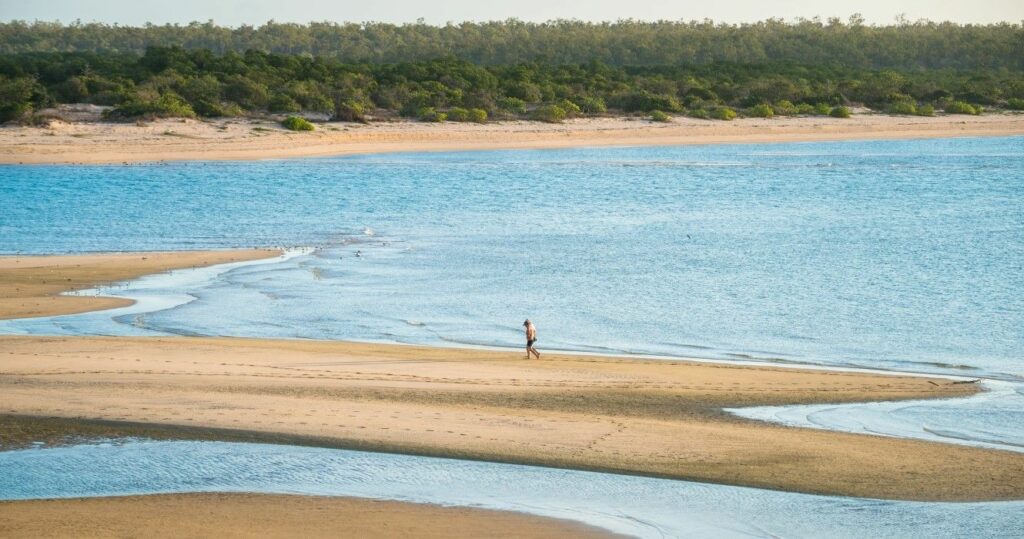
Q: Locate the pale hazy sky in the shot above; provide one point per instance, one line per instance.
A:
(236, 12)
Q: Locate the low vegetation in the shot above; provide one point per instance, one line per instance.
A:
(847, 44)
(960, 107)
(761, 110)
(296, 123)
(658, 116)
(723, 113)
(551, 114)
(429, 114)
(840, 112)
(471, 73)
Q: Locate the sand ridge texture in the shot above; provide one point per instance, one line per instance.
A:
(651, 417)
(258, 515)
(240, 139)
(31, 286)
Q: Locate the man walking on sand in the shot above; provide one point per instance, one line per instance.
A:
(531, 337)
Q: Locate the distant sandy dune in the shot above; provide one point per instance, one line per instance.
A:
(237, 139)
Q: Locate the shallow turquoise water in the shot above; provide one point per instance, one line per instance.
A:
(638, 506)
(891, 254)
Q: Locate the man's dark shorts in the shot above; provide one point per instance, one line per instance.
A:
(530, 342)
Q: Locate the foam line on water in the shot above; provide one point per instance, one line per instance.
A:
(141, 290)
(988, 419)
(150, 294)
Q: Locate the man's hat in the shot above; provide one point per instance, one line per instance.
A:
(526, 322)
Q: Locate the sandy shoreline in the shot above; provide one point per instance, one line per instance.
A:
(31, 286)
(237, 139)
(262, 515)
(658, 418)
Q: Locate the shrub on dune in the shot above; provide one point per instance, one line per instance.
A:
(552, 114)
(962, 107)
(296, 123)
(763, 110)
(904, 108)
(925, 110)
(840, 112)
(16, 98)
(591, 105)
(478, 116)
(659, 116)
(429, 114)
(168, 105)
(784, 108)
(571, 109)
(458, 114)
(723, 113)
(805, 109)
(350, 110)
(512, 104)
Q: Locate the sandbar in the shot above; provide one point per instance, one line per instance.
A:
(32, 286)
(652, 417)
(263, 515)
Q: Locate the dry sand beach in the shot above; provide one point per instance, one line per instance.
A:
(255, 515)
(235, 139)
(650, 417)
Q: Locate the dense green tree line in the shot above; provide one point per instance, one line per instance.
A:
(849, 44)
(173, 81)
